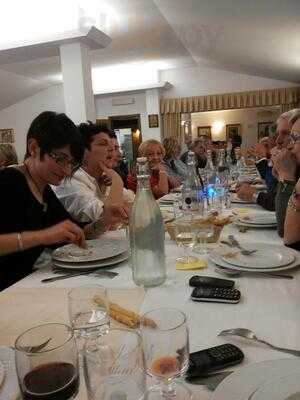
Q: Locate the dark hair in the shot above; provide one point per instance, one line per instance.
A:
(53, 131)
(89, 129)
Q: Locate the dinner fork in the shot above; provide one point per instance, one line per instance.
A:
(236, 244)
(250, 335)
(109, 274)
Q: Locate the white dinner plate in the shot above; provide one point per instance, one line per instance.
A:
(216, 257)
(266, 256)
(93, 264)
(280, 389)
(170, 198)
(259, 186)
(236, 199)
(97, 249)
(167, 216)
(9, 390)
(268, 218)
(240, 385)
(259, 226)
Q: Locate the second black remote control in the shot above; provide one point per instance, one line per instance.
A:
(208, 281)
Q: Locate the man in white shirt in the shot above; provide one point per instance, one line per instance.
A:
(84, 194)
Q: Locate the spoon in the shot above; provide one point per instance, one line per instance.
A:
(250, 335)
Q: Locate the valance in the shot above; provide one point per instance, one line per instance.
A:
(227, 101)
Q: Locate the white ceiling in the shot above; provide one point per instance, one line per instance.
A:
(258, 37)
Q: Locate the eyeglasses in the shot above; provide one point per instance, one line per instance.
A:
(295, 136)
(63, 161)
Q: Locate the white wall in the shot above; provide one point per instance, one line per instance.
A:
(196, 81)
(248, 118)
(20, 115)
(105, 108)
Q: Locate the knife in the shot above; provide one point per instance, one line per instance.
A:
(109, 274)
(211, 381)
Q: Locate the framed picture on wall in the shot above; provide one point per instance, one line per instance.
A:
(7, 136)
(263, 129)
(233, 130)
(204, 132)
(153, 120)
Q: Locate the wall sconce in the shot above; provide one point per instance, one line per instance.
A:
(136, 134)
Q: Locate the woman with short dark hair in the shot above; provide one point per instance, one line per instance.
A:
(32, 217)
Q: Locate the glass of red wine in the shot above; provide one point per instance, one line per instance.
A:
(47, 363)
(166, 351)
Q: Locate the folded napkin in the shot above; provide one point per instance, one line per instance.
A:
(192, 265)
(9, 389)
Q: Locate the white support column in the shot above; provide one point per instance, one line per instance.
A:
(77, 82)
(152, 107)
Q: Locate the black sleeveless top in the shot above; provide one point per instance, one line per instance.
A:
(21, 211)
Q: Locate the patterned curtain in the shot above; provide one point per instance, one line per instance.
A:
(171, 126)
(288, 107)
(287, 97)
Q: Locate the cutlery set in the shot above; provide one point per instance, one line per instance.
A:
(97, 272)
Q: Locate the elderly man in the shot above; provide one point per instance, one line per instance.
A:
(285, 158)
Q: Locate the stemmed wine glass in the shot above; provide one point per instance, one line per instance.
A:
(166, 351)
(47, 363)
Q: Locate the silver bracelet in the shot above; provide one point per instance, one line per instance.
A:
(20, 241)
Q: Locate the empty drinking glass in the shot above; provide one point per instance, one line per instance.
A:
(114, 366)
(88, 311)
(47, 363)
(205, 231)
(166, 350)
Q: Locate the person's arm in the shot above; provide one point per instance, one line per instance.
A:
(65, 231)
(162, 187)
(116, 189)
(292, 219)
(267, 200)
(261, 167)
(284, 192)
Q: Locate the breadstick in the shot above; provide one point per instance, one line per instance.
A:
(126, 317)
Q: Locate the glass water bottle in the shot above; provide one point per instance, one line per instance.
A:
(147, 233)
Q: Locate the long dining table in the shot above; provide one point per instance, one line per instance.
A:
(269, 306)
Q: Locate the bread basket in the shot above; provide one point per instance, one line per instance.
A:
(217, 221)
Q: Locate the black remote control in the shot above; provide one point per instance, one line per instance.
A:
(213, 359)
(216, 295)
(208, 281)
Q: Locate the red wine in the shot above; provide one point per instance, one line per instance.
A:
(52, 381)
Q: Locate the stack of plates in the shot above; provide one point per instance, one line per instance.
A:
(258, 220)
(236, 199)
(99, 253)
(268, 380)
(169, 199)
(267, 258)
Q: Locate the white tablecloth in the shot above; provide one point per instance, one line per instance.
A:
(269, 306)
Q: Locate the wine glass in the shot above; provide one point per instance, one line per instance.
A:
(114, 366)
(47, 363)
(185, 237)
(166, 351)
(88, 311)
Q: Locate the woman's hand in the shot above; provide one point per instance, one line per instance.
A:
(65, 231)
